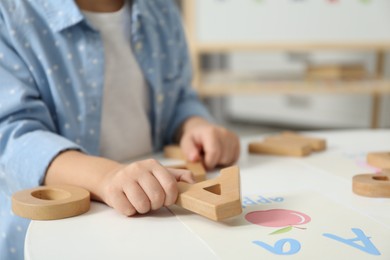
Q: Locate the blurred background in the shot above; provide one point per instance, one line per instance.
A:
(265, 65)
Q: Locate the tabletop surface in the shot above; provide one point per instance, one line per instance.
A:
(309, 204)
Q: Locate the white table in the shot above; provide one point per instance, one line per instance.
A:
(104, 234)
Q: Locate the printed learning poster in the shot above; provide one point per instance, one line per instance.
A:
(342, 164)
(292, 225)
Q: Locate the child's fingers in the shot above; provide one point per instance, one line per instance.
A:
(229, 151)
(120, 202)
(212, 150)
(154, 190)
(190, 149)
(137, 197)
(237, 151)
(168, 184)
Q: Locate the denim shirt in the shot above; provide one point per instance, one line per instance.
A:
(51, 86)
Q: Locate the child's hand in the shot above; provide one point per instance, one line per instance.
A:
(142, 186)
(213, 145)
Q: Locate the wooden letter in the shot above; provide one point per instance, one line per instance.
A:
(280, 147)
(197, 169)
(289, 144)
(372, 185)
(51, 202)
(317, 144)
(380, 160)
(216, 199)
(174, 152)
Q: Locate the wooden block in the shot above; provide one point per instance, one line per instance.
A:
(372, 185)
(317, 144)
(197, 169)
(174, 152)
(380, 160)
(288, 144)
(215, 199)
(288, 140)
(51, 202)
(281, 147)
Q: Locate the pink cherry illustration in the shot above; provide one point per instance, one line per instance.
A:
(277, 218)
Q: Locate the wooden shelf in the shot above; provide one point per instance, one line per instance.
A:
(208, 85)
(222, 84)
(206, 48)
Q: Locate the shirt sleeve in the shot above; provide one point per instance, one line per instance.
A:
(188, 103)
(28, 139)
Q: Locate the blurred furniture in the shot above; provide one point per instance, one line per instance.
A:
(224, 27)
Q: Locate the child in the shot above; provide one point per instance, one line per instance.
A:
(88, 84)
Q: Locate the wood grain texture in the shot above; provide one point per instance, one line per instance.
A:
(216, 199)
(174, 152)
(316, 144)
(280, 148)
(51, 202)
(288, 144)
(197, 169)
(372, 185)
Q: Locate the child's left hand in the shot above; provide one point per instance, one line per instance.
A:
(211, 144)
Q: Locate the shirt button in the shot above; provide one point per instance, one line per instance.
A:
(138, 46)
(160, 98)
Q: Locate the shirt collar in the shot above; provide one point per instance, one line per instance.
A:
(63, 15)
(59, 14)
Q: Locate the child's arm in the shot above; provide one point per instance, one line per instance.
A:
(191, 123)
(28, 142)
(138, 187)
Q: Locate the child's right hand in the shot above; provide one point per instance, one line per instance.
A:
(142, 186)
